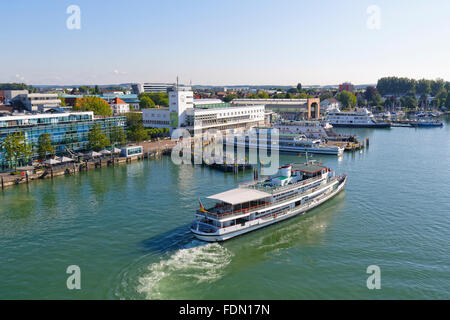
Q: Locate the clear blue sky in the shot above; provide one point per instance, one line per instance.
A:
(223, 42)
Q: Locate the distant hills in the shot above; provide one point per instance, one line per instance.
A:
(262, 87)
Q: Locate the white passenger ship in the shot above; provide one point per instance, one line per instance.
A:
(287, 142)
(296, 189)
(311, 129)
(360, 118)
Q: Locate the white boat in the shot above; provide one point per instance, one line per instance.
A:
(425, 122)
(360, 118)
(311, 129)
(297, 143)
(296, 189)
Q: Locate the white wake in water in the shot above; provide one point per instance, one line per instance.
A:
(195, 264)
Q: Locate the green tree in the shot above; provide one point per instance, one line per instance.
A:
(347, 98)
(229, 97)
(45, 147)
(441, 97)
(409, 102)
(138, 133)
(436, 86)
(118, 136)
(16, 149)
(263, 95)
(96, 104)
(97, 139)
(159, 98)
(377, 100)
(299, 87)
(326, 95)
(63, 102)
(133, 119)
(447, 101)
(423, 87)
(145, 103)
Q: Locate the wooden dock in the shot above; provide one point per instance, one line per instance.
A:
(26, 175)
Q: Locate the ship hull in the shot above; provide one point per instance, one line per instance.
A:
(293, 213)
(425, 125)
(350, 125)
(297, 149)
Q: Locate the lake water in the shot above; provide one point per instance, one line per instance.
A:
(127, 228)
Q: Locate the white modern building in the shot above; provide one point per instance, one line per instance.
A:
(39, 101)
(201, 114)
(139, 88)
(11, 94)
(156, 117)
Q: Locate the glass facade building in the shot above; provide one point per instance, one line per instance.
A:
(67, 130)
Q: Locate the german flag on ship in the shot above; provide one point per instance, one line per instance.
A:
(202, 209)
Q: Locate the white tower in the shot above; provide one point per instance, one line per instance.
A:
(180, 99)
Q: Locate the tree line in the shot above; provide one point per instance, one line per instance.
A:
(405, 86)
(18, 86)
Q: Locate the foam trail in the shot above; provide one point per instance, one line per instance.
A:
(196, 263)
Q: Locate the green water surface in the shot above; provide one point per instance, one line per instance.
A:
(127, 228)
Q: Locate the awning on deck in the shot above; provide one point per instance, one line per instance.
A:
(240, 195)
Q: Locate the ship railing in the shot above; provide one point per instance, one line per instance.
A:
(289, 186)
(272, 190)
(262, 206)
(204, 227)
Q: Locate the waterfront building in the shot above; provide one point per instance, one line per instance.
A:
(201, 114)
(132, 151)
(68, 130)
(292, 109)
(138, 88)
(224, 117)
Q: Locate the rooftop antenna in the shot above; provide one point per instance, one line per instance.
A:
(177, 83)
